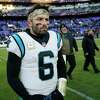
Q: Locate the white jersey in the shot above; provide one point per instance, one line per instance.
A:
(39, 64)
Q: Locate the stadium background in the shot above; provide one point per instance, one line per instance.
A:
(78, 15)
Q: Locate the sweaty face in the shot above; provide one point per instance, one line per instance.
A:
(39, 22)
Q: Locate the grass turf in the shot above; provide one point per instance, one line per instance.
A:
(86, 82)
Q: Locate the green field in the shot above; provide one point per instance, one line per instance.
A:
(85, 84)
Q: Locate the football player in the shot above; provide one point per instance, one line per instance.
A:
(35, 66)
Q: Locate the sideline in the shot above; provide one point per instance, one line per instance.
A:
(80, 94)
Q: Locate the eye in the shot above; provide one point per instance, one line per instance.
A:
(47, 19)
(39, 18)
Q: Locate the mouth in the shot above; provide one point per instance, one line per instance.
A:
(44, 29)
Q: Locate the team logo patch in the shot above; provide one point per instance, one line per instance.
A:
(30, 45)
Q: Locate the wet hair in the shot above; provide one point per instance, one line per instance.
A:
(38, 6)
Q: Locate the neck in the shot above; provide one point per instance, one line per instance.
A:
(31, 31)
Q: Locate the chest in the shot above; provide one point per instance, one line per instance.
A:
(35, 51)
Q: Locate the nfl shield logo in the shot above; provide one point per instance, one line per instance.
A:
(43, 44)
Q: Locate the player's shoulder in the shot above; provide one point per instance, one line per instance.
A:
(51, 32)
(16, 38)
(16, 44)
(54, 33)
(21, 34)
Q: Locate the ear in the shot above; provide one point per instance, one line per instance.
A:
(29, 23)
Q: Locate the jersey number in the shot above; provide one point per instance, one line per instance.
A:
(43, 67)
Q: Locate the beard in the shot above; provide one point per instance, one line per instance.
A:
(43, 30)
(39, 32)
(90, 36)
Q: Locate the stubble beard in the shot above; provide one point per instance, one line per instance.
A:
(38, 32)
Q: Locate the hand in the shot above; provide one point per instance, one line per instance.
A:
(62, 86)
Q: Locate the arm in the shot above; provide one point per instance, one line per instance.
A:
(95, 46)
(62, 82)
(61, 66)
(75, 44)
(84, 46)
(13, 69)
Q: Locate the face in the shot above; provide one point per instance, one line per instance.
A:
(91, 33)
(39, 22)
(64, 30)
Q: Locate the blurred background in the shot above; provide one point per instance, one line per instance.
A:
(78, 15)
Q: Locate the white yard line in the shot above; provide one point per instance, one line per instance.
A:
(82, 58)
(81, 48)
(80, 94)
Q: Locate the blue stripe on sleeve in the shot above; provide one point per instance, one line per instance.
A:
(20, 44)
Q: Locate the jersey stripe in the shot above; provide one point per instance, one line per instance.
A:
(20, 44)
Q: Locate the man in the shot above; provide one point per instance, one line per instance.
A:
(35, 66)
(89, 46)
(69, 43)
